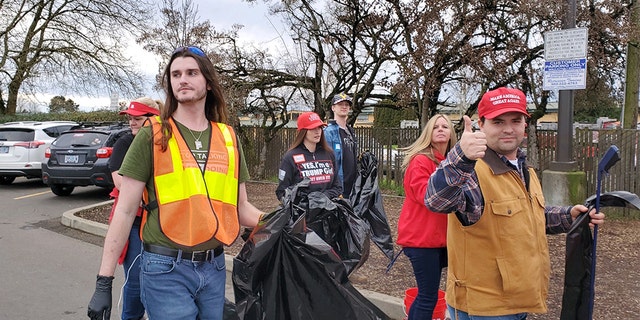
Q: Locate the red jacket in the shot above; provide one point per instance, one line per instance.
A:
(418, 227)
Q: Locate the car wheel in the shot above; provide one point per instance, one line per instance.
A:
(6, 179)
(62, 190)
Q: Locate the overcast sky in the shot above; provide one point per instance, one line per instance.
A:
(259, 26)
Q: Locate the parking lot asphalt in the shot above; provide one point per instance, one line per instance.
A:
(392, 306)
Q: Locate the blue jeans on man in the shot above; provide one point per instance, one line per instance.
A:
(461, 315)
(177, 289)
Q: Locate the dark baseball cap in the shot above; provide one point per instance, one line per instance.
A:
(341, 97)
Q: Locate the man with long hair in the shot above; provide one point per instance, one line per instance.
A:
(190, 166)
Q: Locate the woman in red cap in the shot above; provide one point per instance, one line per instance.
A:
(309, 156)
(137, 113)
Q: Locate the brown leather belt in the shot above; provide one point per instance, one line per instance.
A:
(195, 256)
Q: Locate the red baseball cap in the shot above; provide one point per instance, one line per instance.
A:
(137, 109)
(500, 101)
(309, 120)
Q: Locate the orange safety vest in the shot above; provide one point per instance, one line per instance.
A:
(196, 206)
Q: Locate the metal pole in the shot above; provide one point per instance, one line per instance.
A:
(564, 138)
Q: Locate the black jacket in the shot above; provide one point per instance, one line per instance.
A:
(319, 167)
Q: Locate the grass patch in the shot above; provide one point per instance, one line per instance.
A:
(620, 214)
(391, 187)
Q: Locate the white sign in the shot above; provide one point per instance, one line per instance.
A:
(565, 54)
(565, 44)
(565, 74)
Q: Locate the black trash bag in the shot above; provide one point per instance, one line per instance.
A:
(579, 254)
(229, 311)
(366, 200)
(577, 268)
(620, 198)
(286, 271)
(335, 222)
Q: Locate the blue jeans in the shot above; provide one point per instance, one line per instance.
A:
(461, 315)
(176, 289)
(132, 308)
(427, 266)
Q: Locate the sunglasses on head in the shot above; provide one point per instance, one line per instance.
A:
(195, 50)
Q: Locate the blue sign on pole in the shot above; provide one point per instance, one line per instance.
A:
(567, 74)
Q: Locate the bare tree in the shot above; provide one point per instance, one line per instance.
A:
(252, 84)
(632, 76)
(343, 46)
(419, 51)
(68, 45)
(487, 44)
(179, 24)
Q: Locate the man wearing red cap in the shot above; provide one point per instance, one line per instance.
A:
(498, 256)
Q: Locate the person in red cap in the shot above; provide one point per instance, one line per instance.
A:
(137, 112)
(309, 156)
(498, 258)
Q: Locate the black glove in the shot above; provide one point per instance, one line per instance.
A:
(100, 304)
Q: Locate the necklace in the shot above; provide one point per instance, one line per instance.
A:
(198, 142)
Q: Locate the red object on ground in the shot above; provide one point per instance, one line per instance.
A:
(438, 312)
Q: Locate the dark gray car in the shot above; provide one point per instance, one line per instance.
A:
(80, 157)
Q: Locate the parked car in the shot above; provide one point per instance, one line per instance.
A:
(22, 147)
(80, 157)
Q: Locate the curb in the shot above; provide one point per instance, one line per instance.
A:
(392, 306)
(69, 219)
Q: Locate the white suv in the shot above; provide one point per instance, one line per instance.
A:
(22, 146)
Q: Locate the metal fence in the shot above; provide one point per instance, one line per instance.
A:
(588, 147)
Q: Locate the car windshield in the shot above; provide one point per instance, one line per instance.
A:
(13, 134)
(81, 139)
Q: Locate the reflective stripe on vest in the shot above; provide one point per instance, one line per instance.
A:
(193, 206)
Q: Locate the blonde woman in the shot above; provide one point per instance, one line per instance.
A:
(422, 233)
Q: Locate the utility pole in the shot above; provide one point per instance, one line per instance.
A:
(562, 183)
(564, 139)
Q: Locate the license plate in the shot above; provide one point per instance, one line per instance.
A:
(4, 149)
(71, 158)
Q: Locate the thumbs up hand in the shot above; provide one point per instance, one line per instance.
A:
(473, 144)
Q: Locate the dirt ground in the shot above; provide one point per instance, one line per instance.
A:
(617, 272)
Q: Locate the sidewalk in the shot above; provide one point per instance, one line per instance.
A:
(392, 306)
